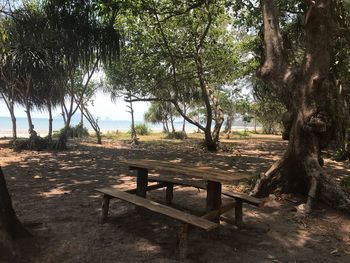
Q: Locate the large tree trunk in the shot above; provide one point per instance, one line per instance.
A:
(308, 125)
(9, 223)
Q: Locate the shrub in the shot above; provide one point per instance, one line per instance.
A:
(178, 135)
(77, 131)
(142, 129)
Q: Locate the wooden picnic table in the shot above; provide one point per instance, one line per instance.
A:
(208, 178)
(213, 177)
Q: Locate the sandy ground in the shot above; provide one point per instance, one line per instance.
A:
(53, 194)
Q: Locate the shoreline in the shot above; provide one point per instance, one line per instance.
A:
(7, 133)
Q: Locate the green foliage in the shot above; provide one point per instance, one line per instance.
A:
(269, 114)
(77, 131)
(142, 129)
(177, 135)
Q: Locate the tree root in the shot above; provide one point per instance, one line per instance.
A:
(261, 185)
(321, 187)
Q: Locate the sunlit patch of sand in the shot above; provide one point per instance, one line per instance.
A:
(55, 192)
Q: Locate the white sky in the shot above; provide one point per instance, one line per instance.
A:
(103, 108)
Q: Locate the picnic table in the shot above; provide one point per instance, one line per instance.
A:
(172, 174)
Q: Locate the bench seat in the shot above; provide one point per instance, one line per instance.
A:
(159, 208)
(201, 185)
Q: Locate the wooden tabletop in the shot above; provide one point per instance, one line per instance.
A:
(201, 172)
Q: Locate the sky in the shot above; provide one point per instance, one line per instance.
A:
(103, 108)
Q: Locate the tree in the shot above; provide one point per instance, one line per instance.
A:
(305, 90)
(187, 54)
(162, 112)
(87, 39)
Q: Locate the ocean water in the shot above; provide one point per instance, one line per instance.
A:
(41, 125)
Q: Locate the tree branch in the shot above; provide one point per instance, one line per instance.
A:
(275, 70)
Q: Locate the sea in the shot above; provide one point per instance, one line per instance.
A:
(41, 126)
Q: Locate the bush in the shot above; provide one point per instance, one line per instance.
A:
(178, 135)
(77, 131)
(142, 129)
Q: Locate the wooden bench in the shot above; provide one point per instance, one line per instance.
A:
(185, 218)
(200, 184)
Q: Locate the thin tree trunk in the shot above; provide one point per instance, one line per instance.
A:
(94, 124)
(63, 114)
(166, 126)
(14, 125)
(134, 138)
(29, 119)
(184, 120)
(172, 123)
(9, 101)
(254, 123)
(49, 107)
(82, 114)
(198, 119)
(228, 128)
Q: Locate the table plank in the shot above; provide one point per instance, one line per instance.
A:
(202, 172)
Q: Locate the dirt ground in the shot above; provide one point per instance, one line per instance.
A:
(53, 194)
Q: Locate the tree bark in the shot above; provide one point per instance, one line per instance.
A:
(228, 126)
(134, 139)
(9, 101)
(172, 123)
(184, 120)
(29, 118)
(9, 223)
(94, 124)
(300, 170)
(49, 107)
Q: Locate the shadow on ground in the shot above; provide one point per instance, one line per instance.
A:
(53, 192)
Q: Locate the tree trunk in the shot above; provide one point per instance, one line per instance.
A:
(49, 136)
(9, 101)
(254, 123)
(94, 124)
(82, 114)
(172, 124)
(300, 170)
(134, 139)
(14, 125)
(9, 223)
(184, 120)
(63, 115)
(29, 118)
(166, 126)
(228, 126)
(198, 119)
(61, 143)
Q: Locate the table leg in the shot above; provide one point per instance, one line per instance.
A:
(214, 198)
(169, 193)
(142, 181)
